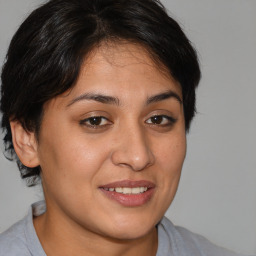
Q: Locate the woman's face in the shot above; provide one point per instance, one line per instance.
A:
(112, 148)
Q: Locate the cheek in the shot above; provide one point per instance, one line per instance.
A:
(70, 173)
(171, 153)
(170, 157)
(71, 159)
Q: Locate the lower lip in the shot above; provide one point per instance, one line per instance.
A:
(130, 200)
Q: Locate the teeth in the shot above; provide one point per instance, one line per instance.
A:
(119, 190)
(128, 191)
(136, 190)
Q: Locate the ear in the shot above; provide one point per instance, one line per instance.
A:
(25, 145)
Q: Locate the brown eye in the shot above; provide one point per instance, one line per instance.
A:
(156, 119)
(161, 120)
(95, 121)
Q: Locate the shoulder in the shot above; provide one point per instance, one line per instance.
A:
(21, 239)
(186, 243)
(13, 241)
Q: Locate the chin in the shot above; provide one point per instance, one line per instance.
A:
(131, 228)
(132, 234)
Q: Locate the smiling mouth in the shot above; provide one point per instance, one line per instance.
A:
(129, 193)
(127, 190)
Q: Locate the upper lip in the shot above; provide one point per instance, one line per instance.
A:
(129, 184)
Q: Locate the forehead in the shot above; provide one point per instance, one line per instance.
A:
(122, 55)
(120, 70)
(121, 59)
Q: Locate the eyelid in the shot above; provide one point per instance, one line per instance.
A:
(96, 126)
(170, 120)
(95, 113)
(163, 116)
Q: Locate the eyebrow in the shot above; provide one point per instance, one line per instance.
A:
(96, 97)
(115, 101)
(163, 96)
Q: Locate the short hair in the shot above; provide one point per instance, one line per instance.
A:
(46, 53)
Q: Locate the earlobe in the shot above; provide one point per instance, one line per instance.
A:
(25, 144)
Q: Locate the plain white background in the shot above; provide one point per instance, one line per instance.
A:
(217, 193)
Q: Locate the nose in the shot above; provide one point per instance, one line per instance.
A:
(133, 149)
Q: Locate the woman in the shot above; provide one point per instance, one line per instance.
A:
(97, 97)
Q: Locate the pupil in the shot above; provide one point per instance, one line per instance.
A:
(95, 120)
(157, 119)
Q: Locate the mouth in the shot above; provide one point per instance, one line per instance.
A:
(129, 193)
(127, 190)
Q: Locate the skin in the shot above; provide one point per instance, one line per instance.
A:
(77, 157)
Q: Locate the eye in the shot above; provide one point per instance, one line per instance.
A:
(161, 120)
(95, 122)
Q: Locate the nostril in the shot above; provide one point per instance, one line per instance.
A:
(133, 149)
(136, 161)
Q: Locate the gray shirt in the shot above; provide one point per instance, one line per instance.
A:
(21, 239)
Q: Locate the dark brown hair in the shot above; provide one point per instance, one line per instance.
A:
(46, 53)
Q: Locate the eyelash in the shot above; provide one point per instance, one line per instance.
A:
(87, 121)
(168, 121)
